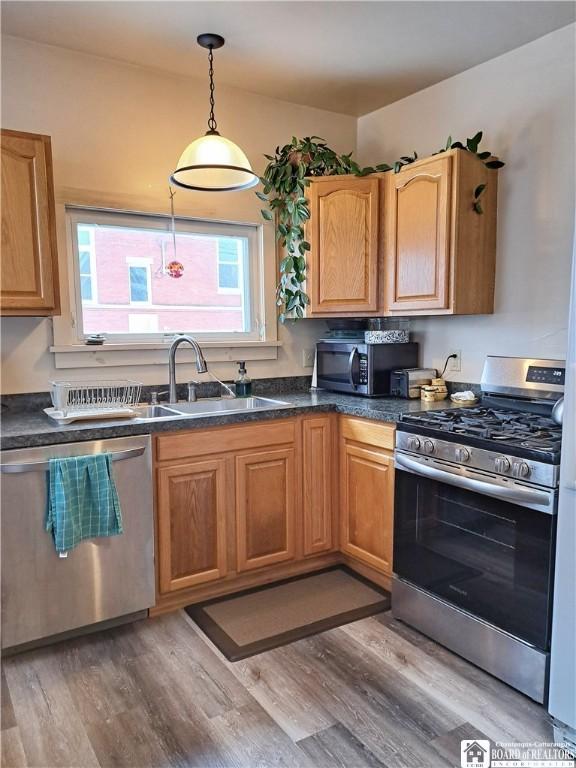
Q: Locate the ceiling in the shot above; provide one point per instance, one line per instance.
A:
(349, 57)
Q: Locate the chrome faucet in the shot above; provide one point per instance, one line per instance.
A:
(201, 366)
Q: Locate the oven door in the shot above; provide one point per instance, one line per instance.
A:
(339, 367)
(490, 556)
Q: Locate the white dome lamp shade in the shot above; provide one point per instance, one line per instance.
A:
(213, 163)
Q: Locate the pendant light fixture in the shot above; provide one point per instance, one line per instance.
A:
(213, 163)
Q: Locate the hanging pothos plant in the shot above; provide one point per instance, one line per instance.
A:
(285, 180)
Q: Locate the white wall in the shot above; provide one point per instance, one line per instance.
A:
(117, 131)
(524, 103)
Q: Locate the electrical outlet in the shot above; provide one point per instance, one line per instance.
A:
(308, 358)
(455, 363)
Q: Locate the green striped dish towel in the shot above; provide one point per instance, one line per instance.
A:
(82, 500)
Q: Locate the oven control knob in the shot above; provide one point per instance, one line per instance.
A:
(413, 443)
(502, 464)
(462, 454)
(429, 446)
(520, 469)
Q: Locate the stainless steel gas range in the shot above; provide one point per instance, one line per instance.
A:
(475, 522)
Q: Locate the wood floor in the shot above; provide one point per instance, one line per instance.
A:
(157, 693)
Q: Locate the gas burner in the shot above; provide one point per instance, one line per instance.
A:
(510, 431)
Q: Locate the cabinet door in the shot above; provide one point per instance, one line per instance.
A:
(367, 505)
(418, 237)
(29, 267)
(343, 232)
(317, 458)
(265, 507)
(192, 502)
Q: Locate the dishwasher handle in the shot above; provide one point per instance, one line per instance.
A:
(43, 466)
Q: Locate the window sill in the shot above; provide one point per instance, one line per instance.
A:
(156, 353)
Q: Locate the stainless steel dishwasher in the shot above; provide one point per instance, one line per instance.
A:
(101, 579)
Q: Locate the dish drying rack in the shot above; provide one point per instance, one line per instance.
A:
(81, 400)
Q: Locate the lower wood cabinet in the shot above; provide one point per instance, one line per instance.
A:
(192, 501)
(243, 504)
(265, 507)
(367, 493)
(318, 497)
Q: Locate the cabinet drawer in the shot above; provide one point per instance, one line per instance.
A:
(368, 432)
(196, 442)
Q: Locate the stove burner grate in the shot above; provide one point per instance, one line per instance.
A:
(505, 427)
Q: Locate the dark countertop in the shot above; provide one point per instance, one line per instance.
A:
(29, 428)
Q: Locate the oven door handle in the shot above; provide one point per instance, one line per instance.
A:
(517, 494)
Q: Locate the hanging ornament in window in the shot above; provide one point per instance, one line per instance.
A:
(175, 269)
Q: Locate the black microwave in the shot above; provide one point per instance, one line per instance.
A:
(359, 368)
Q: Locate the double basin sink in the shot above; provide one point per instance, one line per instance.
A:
(207, 407)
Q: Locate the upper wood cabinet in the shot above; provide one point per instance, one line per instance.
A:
(29, 262)
(343, 265)
(407, 243)
(367, 492)
(419, 240)
(440, 253)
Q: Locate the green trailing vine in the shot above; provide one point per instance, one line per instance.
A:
(284, 183)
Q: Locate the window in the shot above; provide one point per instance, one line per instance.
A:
(139, 285)
(86, 265)
(139, 280)
(209, 285)
(229, 264)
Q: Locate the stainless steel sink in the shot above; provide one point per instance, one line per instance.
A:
(207, 407)
(154, 412)
(227, 405)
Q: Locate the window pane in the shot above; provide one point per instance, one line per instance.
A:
(83, 236)
(202, 287)
(138, 284)
(84, 257)
(228, 250)
(86, 288)
(228, 276)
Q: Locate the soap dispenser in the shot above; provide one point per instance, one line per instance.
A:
(243, 383)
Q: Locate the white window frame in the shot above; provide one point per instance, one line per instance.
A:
(91, 248)
(253, 303)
